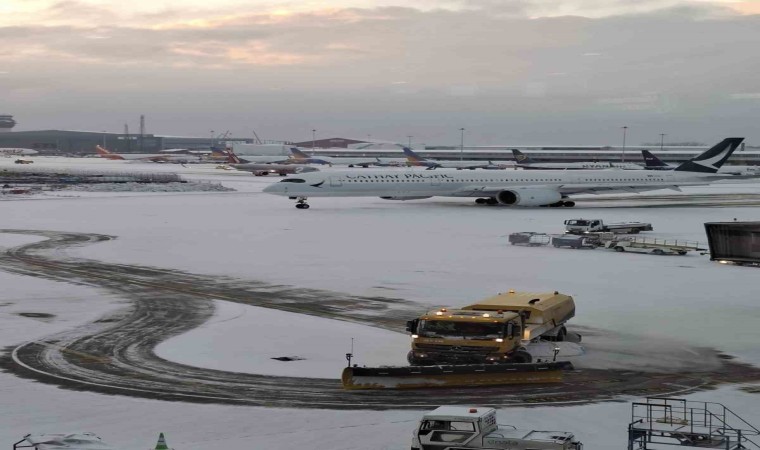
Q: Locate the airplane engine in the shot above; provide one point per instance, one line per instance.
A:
(529, 197)
(402, 197)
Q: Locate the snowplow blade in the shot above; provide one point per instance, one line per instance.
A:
(416, 377)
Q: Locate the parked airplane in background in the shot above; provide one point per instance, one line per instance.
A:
(512, 188)
(416, 160)
(152, 157)
(17, 151)
(223, 155)
(261, 169)
(654, 163)
(364, 161)
(524, 161)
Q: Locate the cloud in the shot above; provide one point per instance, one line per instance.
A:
(454, 59)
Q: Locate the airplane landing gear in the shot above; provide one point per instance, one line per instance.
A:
(486, 201)
(301, 203)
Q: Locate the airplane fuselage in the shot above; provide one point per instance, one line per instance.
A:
(453, 183)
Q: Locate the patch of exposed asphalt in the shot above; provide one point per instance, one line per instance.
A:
(114, 355)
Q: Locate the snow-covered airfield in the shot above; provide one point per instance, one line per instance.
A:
(435, 251)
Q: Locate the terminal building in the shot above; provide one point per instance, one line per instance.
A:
(63, 142)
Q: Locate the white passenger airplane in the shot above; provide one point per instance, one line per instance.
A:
(511, 188)
(17, 151)
(350, 161)
(417, 160)
(524, 161)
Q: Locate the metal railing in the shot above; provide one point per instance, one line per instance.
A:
(689, 423)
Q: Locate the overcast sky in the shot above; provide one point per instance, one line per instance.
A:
(510, 71)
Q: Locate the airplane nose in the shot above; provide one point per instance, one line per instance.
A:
(273, 188)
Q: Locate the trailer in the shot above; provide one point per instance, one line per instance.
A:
(576, 242)
(475, 427)
(654, 246)
(584, 226)
(529, 238)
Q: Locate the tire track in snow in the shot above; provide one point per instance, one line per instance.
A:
(115, 354)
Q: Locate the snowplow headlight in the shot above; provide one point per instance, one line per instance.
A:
(438, 313)
(499, 340)
(486, 315)
(414, 336)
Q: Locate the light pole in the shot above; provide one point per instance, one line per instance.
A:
(625, 129)
(104, 138)
(410, 141)
(313, 140)
(212, 138)
(461, 144)
(662, 141)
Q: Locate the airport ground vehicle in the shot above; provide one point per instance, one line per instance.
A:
(529, 238)
(575, 242)
(493, 330)
(23, 161)
(464, 427)
(734, 242)
(653, 246)
(581, 226)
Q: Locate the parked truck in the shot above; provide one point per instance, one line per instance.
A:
(584, 226)
(495, 330)
(464, 428)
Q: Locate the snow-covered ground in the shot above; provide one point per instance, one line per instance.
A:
(436, 251)
(225, 342)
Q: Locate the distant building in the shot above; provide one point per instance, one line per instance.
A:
(329, 143)
(55, 142)
(6, 122)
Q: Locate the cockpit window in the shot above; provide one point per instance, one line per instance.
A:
(293, 180)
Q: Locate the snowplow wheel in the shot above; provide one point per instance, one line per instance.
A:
(521, 357)
(619, 249)
(562, 334)
(411, 360)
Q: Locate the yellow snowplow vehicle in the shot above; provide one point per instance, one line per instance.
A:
(495, 330)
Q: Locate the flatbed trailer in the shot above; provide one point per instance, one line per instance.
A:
(654, 246)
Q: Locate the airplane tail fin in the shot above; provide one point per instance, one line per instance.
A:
(412, 157)
(651, 161)
(298, 154)
(711, 160)
(520, 157)
(219, 153)
(106, 154)
(232, 157)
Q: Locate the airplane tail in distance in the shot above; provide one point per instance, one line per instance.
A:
(298, 154)
(711, 160)
(232, 158)
(106, 154)
(521, 157)
(411, 156)
(218, 153)
(651, 161)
